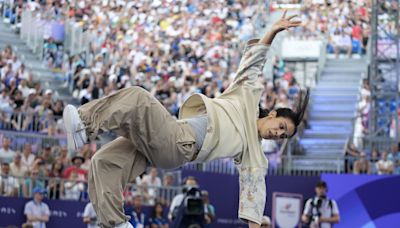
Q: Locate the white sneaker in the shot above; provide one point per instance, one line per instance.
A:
(76, 132)
(124, 225)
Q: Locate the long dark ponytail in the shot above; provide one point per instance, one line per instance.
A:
(262, 112)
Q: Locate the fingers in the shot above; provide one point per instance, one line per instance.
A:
(294, 24)
(284, 14)
(291, 17)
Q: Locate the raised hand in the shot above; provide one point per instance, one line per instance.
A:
(285, 23)
(280, 25)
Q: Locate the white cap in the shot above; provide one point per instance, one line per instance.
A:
(112, 77)
(208, 74)
(129, 32)
(172, 79)
(48, 91)
(85, 71)
(125, 78)
(32, 91)
(136, 194)
(81, 4)
(121, 3)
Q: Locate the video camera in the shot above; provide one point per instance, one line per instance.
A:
(190, 214)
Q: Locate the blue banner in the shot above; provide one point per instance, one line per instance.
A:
(63, 213)
(366, 200)
(223, 192)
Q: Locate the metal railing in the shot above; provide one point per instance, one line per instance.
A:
(379, 143)
(32, 32)
(289, 165)
(76, 40)
(38, 141)
(25, 121)
(321, 59)
(283, 165)
(64, 189)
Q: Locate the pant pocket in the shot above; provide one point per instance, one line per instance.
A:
(186, 140)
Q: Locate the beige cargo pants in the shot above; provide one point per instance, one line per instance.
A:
(148, 135)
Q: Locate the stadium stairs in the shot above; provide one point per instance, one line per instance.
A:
(332, 109)
(48, 79)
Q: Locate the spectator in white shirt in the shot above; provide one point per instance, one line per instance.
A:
(6, 154)
(16, 64)
(23, 87)
(8, 184)
(89, 216)
(384, 166)
(73, 187)
(36, 211)
(150, 184)
(6, 72)
(22, 73)
(342, 42)
(17, 168)
(152, 179)
(27, 158)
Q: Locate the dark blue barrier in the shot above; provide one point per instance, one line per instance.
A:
(363, 200)
(63, 213)
(224, 192)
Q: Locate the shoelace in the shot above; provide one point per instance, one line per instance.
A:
(80, 129)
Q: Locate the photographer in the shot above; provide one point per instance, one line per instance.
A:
(209, 209)
(89, 216)
(320, 211)
(188, 209)
(189, 181)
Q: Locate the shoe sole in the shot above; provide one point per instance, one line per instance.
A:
(68, 113)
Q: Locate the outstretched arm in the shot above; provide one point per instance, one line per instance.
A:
(254, 55)
(282, 24)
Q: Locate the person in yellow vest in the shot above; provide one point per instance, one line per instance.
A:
(231, 125)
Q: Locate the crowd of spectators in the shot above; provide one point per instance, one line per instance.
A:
(28, 176)
(193, 46)
(372, 162)
(65, 177)
(345, 24)
(172, 61)
(24, 104)
(54, 174)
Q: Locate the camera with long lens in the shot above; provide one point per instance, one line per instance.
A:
(190, 214)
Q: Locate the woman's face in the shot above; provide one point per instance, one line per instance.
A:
(73, 176)
(272, 127)
(159, 209)
(58, 165)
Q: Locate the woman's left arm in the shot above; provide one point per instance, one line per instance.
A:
(254, 55)
(282, 24)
